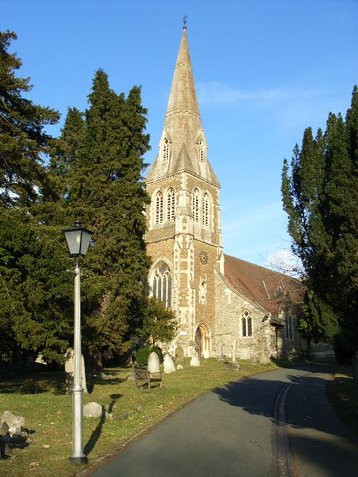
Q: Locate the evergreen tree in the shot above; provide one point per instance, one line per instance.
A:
(159, 325)
(320, 196)
(64, 160)
(23, 141)
(108, 193)
(35, 293)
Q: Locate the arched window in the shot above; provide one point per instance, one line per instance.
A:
(246, 323)
(196, 205)
(201, 150)
(206, 210)
(171, 204)
(288, 328)
(162, 284)
(244, 326)
(159, 213)
(165, 149)
(249, 326)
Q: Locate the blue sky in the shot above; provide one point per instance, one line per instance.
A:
(264, 71)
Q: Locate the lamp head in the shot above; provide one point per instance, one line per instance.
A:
(78, 239)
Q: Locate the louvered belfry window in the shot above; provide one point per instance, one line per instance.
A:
(159, 206)
(171, 204)
(196, 205)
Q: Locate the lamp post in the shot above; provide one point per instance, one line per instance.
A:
(77, 239)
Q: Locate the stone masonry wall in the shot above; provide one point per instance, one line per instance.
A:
(228, 333)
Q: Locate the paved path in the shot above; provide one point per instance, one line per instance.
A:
(278, 424)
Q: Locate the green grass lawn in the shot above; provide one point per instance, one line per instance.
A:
(40, 398)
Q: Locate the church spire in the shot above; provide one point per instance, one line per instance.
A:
(182, 98)
(183, 144)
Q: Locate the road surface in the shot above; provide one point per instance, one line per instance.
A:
(278, 424)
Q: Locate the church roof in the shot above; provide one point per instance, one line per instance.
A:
(182, 125)
(263, 286)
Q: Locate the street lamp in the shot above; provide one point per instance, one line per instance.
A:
(77, 239)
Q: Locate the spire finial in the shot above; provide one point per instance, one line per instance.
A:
(185, 19)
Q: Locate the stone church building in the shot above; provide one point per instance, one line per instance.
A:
(225, 306)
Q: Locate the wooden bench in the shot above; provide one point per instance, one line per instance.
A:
(142, 376)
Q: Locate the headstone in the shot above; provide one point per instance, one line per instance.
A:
(195, 361)
(168, 364)
(180, 366)
(93, 409)
(69, 370)
(153, 363)
(234, 352)
(179, 355)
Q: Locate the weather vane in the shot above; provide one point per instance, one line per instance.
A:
(185, 19)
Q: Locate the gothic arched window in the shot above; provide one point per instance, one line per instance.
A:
(162, 284)
(201, 150)
(246, 323)
(206, 210)
(159, 206)
(165, 149)
(171, 204)
(196, 205)
(288, 327)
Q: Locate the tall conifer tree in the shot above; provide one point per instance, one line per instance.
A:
(320, 196)
(23, 141)
(34, 288)
(108, 194)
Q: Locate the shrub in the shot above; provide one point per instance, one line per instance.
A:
(143, 354)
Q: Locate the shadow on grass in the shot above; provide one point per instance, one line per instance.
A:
(48, 381)
(25, 382)
(98, 431)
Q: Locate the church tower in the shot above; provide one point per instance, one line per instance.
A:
(184, 236)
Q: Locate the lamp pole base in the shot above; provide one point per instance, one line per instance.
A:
(78, 460)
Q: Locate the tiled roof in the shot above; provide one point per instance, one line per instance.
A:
(262, 285)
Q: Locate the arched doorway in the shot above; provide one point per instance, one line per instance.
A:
(202, 340)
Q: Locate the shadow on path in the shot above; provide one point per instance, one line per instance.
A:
(317, 437)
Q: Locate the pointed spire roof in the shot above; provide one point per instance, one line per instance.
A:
(182, 94)
(182, 125)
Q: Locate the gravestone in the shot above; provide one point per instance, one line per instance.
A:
(69, 368)
(234, 352)
(69, 371)
(195, 361)
(168, 364)
(153, 363)
(179, 355)
(93, 409)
